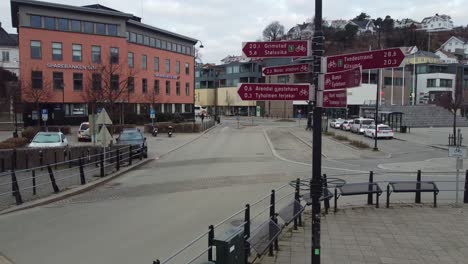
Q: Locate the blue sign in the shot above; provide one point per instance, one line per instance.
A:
(152, 113)
(44, 114)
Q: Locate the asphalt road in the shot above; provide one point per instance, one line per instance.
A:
(158, 208)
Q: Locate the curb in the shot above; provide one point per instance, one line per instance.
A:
(92, 185)
(72, 192)
(305, 142)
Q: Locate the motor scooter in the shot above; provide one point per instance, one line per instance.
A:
(170, 129)
(155, 131)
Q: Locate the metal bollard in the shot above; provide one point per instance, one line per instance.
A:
(272, 217)
(296, 198)
(326, 202)
(69, 158)
(41, 159)
(210, 242)
(82, 176)
(33, 172)
(130, 158)
(465, 194)
(55, 159)
(117, 163)
(369, 196)
(15, 190)
(417, 198)
(52, 179)
(102, 164)
(246, 233)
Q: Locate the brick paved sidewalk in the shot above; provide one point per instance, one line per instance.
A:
(401, 234)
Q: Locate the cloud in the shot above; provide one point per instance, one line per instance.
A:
(223, 25)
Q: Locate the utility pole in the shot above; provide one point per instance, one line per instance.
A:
(316, 182)
(377, 98)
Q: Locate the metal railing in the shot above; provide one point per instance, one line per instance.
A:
(267, 208)
(18, 186)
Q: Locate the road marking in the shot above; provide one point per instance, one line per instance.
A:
(270, 144)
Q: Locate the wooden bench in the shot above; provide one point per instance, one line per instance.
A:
(412, 186)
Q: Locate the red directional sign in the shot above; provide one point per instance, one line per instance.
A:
(343, 80)
(273, 92)
(288, 69)
(388, 58)
(276, 49)
(334, 99)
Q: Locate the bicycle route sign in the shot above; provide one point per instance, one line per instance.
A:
(387, 58)
(276, 49)
(274, 92)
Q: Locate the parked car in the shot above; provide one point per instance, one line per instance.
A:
(136, 139)
(83, 132)
(336, 123)
(383, 131)
(48, 140)
(346, 126)
(360, 124)
(200, 110)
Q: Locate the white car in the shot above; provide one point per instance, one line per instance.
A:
(360, 124)
(48, 140)
(383, 131)
(347, 125)
(336, 123)
(83, 132)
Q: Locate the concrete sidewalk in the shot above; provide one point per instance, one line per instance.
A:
(431, 136)
(400, 234)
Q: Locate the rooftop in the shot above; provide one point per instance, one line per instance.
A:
(7, 39)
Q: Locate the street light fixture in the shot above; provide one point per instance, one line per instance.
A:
(194, 71)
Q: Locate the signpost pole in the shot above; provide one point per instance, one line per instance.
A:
(457, 187)
(377, 98)
(316, 183)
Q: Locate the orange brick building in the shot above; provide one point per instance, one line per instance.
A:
(73, 59)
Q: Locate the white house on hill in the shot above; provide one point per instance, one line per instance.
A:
(446, 57)
(454, 43)
(437, 23)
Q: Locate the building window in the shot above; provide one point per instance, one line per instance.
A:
(77, 81)
(130, 60)
(168, 87)
(187, 89)
(179, 48)
(133, 37)
(281, 79)
(58, 80)
(96, 54)
(229, 70)
(100, 28)
(174, 47)
(114, 55)
(56, 51)
(158, 43)
(63, 24)
(35, 21)
(36, 51)
(146, 40)
(76, 48)
(168, 65)
(144, 62)
(5, 56)
(431, 82)
(88, 27)
(36, 79)
(156, 64)
(187, 69)
(177, 88)
(177, 67)
(112, 30)
(163, 44)
(140, 39)
(387, 80)
(76, 25)
(96, 81)
(115, 82)
(144, 85)
(156, 87)
(49, 23)
(152, 42)
(446, 83)
(131, 84)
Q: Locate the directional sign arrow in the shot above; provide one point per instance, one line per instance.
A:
(287, 69)
(276, 49)
(273, 92)
(343, 79)
(334, 99)
(388, 58)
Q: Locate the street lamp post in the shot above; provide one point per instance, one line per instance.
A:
(194, 72)
(377, 97)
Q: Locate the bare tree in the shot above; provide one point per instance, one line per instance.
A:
(274, 31)
(229, 101)
(36, 95)
(110, 83)
(10, 95)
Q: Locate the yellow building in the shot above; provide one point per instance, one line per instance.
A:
(422, 57)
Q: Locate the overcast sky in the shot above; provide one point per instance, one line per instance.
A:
(222, 25)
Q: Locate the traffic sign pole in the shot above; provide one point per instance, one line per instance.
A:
(377, 98)
(316, 182)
